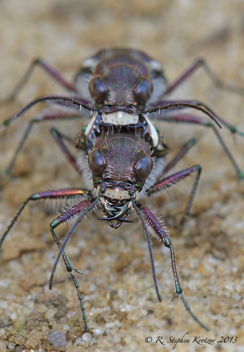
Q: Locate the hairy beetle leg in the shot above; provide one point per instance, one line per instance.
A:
(175, 178)
(185, 118)
(153, 223)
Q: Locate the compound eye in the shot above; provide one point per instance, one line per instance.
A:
(143, 168)
(98, 89)
(143, 91)
(96, 162)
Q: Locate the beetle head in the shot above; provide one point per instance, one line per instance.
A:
(119, 162)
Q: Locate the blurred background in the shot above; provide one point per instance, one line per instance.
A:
(120, 301)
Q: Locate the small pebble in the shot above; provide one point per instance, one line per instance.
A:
(57, 338)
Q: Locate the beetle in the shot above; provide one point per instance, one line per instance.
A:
(124, 89)
(133, 84)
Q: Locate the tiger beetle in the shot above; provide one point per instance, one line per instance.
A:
(120, 149)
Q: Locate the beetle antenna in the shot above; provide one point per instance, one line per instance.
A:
(49, 98)
(194, 105)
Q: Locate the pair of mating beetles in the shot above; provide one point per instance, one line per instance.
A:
(120, 149)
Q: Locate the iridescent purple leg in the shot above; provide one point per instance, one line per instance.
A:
(175, 178)
(75, 210)
(53, 194)
(202, 63)
(172, 163)
(185, 118)
(51, 115)
(58, 137)
(147, 216)
(83, 208)
(64, 217)
(47, 68)
(47, 115)
(180, 155)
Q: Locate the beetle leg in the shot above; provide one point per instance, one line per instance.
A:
(216, 81)
(46, 115)
(81, 207)
(185, 118)
(54, 194)
(58, 137)
(147, 216)
(47, 68)
(77, 209)
(175, 178)
(194, 104)
(148, 239)
(180, 155)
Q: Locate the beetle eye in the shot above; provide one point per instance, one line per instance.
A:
(143, 91)
(143, 168)
(98, 89)
(96, 162)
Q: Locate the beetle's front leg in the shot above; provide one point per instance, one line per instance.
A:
(175, 178)
(53, 194)
(69, 214)
(148, 217)
(76, 210)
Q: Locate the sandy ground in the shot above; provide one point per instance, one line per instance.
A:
(119, 297)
